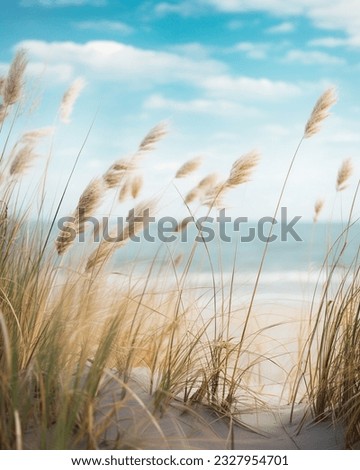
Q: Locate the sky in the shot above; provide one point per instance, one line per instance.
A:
(228, 76)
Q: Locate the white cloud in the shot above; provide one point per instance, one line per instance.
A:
(248, 88)
(185, 8)
(235, 25)
(342, 15)
(199, 106)
(282, 28)
(111, 60)
(61, 3)
(344, 137)
(332, 42)
(105, 25)
(193, 50)
(56, 73)
(145, 68)
(278, 7)
(312, 57)
(252, 50)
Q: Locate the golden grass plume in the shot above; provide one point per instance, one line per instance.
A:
(89, 201)
(137, 221)
(200, 189)
(13, 85)
(189, 167)
(36, 134)
(318, 207)
(181, 226)
(153, 137)
(137, 183)
(242, 169)
(23, 159)
(69, 99)
(320, 112)
(344, 173)
(125, 190)
(192, 195)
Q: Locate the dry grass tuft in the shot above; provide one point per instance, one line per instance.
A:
(69, 99)
(63, 331)
(318, 207)
(115, 175)
(181, 226)
(33, 136)
(89, 201)
(192, 195)
(3, 113)
(22, 160)
(240, 173)
(214, 196)
(208, 181)
(242, 169)
(125, 190)
(344, 173)
(189, 167)
(65, 238)
(137, 221)
(153, 137)
(2, 83)
(137, 183)
(201, 188)
(320, 112)
(13, 85)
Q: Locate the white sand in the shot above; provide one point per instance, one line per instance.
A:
(135, 424)
(128, 420)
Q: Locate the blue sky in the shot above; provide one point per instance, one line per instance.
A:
(229, 76)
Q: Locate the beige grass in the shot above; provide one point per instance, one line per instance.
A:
(69, 99)
(66, 324)
(344, 173)
(320, 112)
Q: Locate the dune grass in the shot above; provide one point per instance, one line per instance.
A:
(65, 325)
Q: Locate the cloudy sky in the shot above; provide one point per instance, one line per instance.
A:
(228, 75)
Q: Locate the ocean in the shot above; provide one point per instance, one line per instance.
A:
(291, 267)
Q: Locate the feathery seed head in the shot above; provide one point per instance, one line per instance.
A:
(112, 179)
(13, 84)
(209, 180)
(181, 226)
(344, 173)
(242, 168)
(89, 201)
(125, 190)
(69, 99)
(117, 171)
(136, 185)
(189, 167)
(2, 83)
(155, 134)
(214, 196)
(192, 195)
(319, 204)
(137, 221)
(123, 165)
(100, 256)
(65, 239)
(320, 112)
(3, 113)
(178, 259)
(23, 160)
(33, 136)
